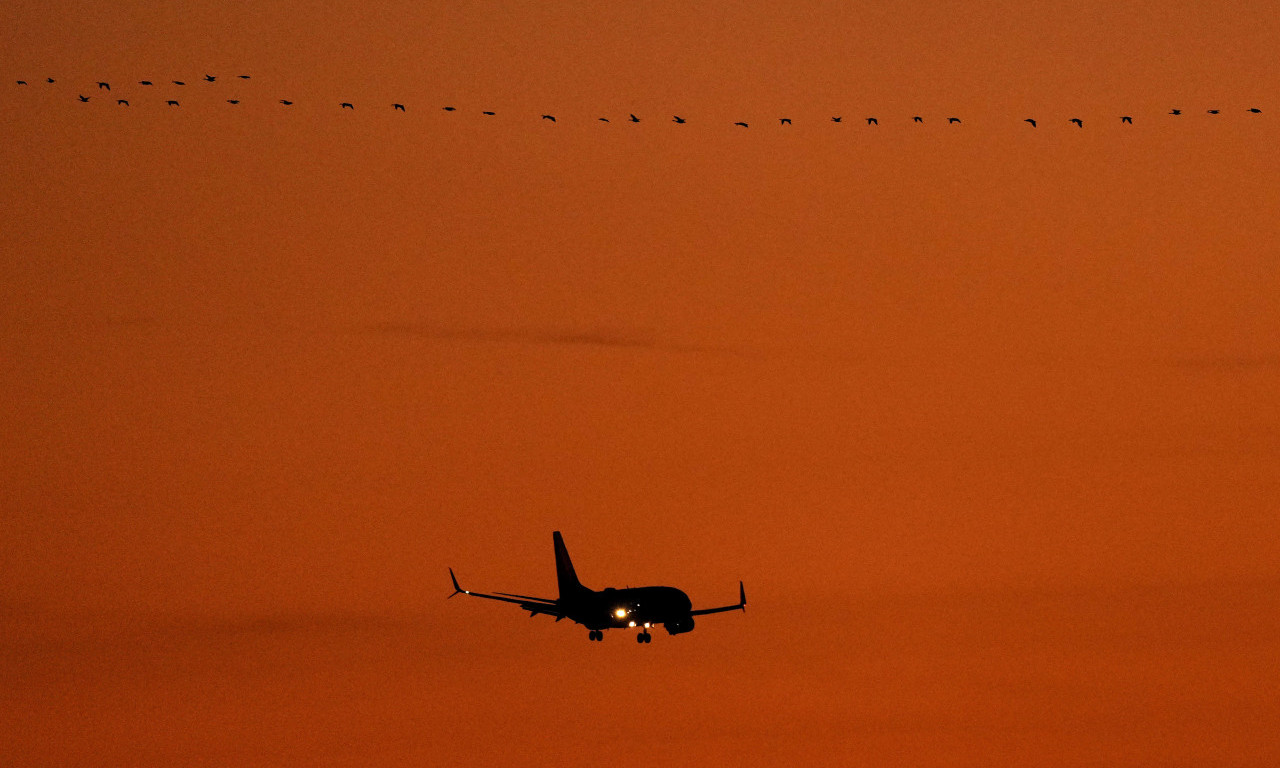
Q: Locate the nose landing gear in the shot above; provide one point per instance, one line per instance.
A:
(595, 635)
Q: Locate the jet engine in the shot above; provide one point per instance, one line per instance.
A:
(684, 624)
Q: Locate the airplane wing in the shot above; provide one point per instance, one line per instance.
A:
(741, 606)
(534, 605)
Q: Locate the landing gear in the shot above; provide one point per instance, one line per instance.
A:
(595, 635)
(644, 637)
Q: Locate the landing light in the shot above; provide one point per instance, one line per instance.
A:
(620, 612)
(632, 624)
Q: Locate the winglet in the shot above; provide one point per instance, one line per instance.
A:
(457, 590)
(742, 597)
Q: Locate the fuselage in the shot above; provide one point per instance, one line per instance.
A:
(630, 607)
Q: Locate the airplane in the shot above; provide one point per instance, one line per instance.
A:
(631, 608)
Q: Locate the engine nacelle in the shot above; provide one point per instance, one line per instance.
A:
(679, 625)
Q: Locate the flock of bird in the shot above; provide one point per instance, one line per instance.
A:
(398, 107)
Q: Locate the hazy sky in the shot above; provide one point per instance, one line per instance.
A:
(985, 416)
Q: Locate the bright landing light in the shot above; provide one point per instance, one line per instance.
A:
(620, 612)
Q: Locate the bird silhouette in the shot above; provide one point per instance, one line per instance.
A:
(784, 121)
(209, 78)
(1079, 123)
(1126, 119)
(144, 82)
(604, 119)
(83, 98)
(171, 103)
(450, 109)
(1255, 110)
(917, 119)
(178, 82)
(22, 82)
(678, 119)
(101, 86)
(837, 119)
(286, 102)
(243, 77)
(552, 118)
(1029, 120)
(122, 102)
(1214, 111)
(633, 118)
(744, 125)
(49, 80)
(397, 107)
(951, 120)
(1175, 111)
(346, 105)
(486, 112)
(233, 101)
(872, 121)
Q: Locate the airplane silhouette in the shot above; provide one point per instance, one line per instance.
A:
(631, 608)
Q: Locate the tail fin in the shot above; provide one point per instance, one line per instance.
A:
(565, 576)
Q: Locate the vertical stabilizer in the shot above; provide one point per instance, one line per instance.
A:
(565, 576)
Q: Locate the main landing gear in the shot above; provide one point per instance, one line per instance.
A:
(644, 637)
(595, 635)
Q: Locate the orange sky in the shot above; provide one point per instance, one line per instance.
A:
(985, 416)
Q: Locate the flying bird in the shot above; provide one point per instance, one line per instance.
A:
(784, 121)
(951, 120)
(49, 80)
(243, 77)
(397, 106)
(633, 118)
(917, 119)
(837, 119)
(171, 103)
(604, 119)
(486, 112)
(122, 102)
(107, 86)
(872, 121)
(1079, 123)
(678, 119)
(552, 118)
(1029, 120)
(178, 82)
(22, 82)
(209, 78)
(286, 102)
(233, 101)
(144, 82)
(346, 105)
(1126, 119)
(450, 109)
(83, 97)
(1214, 111)
(1255, 110)
(744, 125)
(1175, 111)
